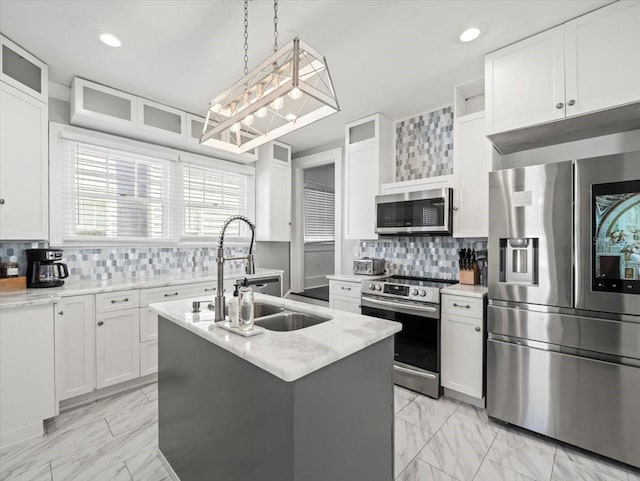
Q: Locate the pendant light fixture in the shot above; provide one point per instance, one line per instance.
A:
(288, 90)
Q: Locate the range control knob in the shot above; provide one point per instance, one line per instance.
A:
(423, 293)
(378, 287)
(372, 286)
(415, 292)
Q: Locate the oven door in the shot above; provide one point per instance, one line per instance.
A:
(608, 233)
(424, 212)
(417, 346)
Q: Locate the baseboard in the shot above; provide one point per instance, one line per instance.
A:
(83, 399)
(465, 398)
(21, 434)
(172, 474)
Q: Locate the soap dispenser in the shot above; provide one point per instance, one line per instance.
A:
(246, 307)
(234, 308)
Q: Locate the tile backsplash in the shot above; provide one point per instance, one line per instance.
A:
(424, 145)
(128, 262)
(435, 257)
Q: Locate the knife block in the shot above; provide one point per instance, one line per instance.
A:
(470, 276)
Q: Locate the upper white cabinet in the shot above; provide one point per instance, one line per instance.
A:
(273, 192)
(368, 164)
(27, 389)
(106, 109)
(581, 67)
(23, 71)
(75, 330)
(472, 157)
(23, 146)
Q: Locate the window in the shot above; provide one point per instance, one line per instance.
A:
(319, 214)
(210, 196)
(109, 190)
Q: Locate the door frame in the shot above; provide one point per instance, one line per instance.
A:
(332, 156)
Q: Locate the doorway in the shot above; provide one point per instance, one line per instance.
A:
(316, 234)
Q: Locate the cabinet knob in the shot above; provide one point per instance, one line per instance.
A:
(478, 329)
(1, 201)
(559, 105)
(100, 323)
(571, 102)
(61, 313)
(454, 208)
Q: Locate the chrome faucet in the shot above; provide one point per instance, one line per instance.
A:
(250, 268)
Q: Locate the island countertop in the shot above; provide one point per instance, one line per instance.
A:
(287, 355)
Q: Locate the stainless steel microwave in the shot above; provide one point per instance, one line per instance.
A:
(427, 212)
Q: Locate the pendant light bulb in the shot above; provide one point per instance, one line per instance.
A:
(235, 127)
(248, 120)
(277, 104)
(295, 94)
(291, 117)
(262, 113)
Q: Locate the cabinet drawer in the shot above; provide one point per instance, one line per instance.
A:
(117, 301)
(463, 306)
(160, 294)
(345, 289)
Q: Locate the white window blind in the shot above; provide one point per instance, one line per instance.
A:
(108, 194)
(319, 214)
(212, 195)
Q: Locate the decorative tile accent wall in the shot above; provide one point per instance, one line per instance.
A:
(435, 257)
(424, 145)
(128, 262)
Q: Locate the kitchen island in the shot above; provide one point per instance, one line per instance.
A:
(304, 405)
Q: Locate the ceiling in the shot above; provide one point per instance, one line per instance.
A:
(398, 57)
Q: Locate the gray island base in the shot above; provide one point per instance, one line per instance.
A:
(223, 418)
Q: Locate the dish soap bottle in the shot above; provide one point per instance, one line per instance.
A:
(246, 307)
(234, 308)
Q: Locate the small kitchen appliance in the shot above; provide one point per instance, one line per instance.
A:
(415, 303)
(44, 268)
(368, 266)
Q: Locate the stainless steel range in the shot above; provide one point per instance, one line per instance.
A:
(414, 302)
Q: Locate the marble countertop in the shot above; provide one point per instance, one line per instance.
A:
(465, 290)
(287, 355)
(31, 297)
(354, 277)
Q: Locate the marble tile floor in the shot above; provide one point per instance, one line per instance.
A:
(116, 439)
(446, 440)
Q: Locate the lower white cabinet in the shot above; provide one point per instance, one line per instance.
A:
(75, 332)
(462, 346)
(345, 296)
(27, 387)
(148, 358)
(117, 347)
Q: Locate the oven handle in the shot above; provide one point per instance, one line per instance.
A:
(399, 307)
(413, 372)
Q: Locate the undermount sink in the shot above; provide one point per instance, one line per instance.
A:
(261, 310)
(289, 321)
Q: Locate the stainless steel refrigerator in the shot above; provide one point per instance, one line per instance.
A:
(563, 348)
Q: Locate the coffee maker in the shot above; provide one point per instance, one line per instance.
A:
(44, 268)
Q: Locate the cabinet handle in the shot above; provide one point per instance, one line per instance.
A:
(207, 289)
(1, 201)
(171, 295)
(478, 329)
(115, 301)
(345, 288)
(559, 105)
(100, 323)
(571, 102)
(61, 313)
(460, 305)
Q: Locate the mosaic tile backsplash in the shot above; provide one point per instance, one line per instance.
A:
(129, 262)
(435, 257)
(424, 145)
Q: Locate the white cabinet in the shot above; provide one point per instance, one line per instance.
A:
(75, 331)
(97, 106)
(368, 164)
(463, 339)
(148, 358)
(583, 66)
(160, 119)
(273, 193)
(345, 296)
(24, 208)
(117, 347)
(27, 389)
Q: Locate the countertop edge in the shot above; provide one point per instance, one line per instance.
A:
(465, 290)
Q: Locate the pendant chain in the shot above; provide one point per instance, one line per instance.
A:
(246, 37)
(275, 25)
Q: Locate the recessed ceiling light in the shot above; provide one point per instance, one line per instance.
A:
(469, 34)
(110, 40)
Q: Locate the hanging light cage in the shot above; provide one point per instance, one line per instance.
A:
(290, 89)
